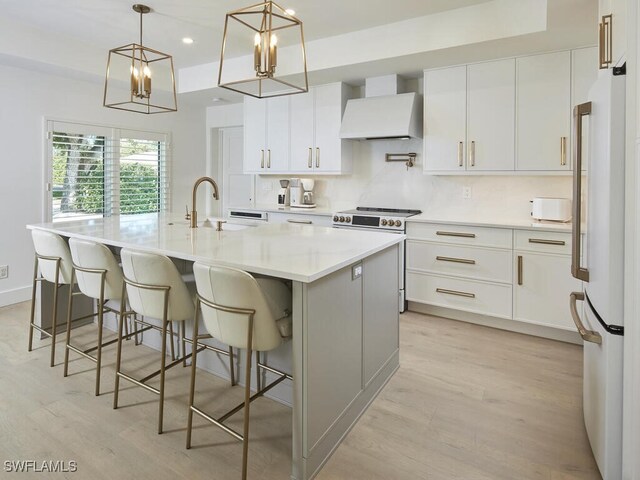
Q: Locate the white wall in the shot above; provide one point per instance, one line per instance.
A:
(377, 183)
(27, 97)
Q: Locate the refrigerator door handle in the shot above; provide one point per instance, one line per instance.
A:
(587, 335)
(577, 271)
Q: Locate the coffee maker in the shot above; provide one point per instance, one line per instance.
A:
(283, 194)
(295, 192)
(307, 194)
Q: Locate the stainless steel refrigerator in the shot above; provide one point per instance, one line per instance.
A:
(598, 260)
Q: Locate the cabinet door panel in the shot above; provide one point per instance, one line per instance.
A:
(255, 134)
(543, 296)
(327, 154)
(584, 73)
(445, 106)
(544, 112)
(302, 115)
(277, 155)
(490, 115)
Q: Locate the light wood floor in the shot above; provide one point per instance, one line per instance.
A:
(468, 402)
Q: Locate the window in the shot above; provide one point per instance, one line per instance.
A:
(98, 172)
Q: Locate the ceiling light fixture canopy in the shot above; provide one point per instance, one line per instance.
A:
(130, 70)
(277, 39)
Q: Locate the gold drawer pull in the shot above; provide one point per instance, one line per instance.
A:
(519, 269)
(306, 222)
(456, 260)
(563, 151)
(546, 242)
(456, 234)
(456, 293)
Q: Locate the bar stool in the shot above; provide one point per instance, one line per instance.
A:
(155, 289)
(53, 262)
(243, 312)
(99, 277)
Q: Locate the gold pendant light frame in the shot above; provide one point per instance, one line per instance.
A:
(264, 57)
(140, 93)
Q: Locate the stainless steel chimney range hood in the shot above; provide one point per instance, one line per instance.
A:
(383, 113)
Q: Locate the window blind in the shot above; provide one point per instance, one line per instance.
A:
(97, 171)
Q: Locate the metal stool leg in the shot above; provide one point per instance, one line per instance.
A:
(232, 367)
(247, 403)
(194, 347)
(33, 303)
(99, 351)
(123, 303)
(54, 320)
(163, 360)
(69, 312)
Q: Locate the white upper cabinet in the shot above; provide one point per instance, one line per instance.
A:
(445, 119)
(316, 146)
(543, 112)
(297, 134)
(469, 118)
(266, 135)
(584, 73)
(490, 115)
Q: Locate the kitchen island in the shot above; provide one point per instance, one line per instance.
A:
(345, 308)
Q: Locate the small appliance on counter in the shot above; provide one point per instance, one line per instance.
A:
(301, 193)
(551, 209)
(295, 192)
(283, 194)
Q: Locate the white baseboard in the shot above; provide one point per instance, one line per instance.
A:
(501, 323)
(16, 295)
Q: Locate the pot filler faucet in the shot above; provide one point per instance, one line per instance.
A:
(194, 213)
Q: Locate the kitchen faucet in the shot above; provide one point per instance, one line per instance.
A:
(194, 213)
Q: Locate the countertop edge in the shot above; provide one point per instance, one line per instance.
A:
(515, 225)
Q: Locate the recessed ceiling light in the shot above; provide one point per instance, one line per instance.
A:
(290, 11)
(187, 40)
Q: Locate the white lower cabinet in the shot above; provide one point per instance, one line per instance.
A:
(520, 275)
(542, 279)
(300, 219)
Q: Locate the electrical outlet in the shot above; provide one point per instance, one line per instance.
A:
(466, 192)
(4, 271)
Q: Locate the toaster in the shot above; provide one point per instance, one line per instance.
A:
(552, 209)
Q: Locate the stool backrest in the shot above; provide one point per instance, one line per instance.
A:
(92, 255)
(230, 287)
(49, 244)
(152, 269)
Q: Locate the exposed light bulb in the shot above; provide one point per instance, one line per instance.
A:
(147, 71)
(256, 40)
(274, 39)
(187, 40)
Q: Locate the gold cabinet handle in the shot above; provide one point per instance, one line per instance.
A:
(269, 158)
(460, 154)
(577, 271)
(455, 234)
(605, 30)
(547, 242)
(587, 335)
(455, 293)
(563, 151)
(310, 161)
(456, 260)
(519, 269)
(261, 158)
(472, 153)
(317, 157)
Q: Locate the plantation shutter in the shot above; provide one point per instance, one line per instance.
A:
(98, 171)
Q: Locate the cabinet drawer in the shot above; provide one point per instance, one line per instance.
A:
(475, 263)
(468, 295)
(460, 234)
(545, 242)
(319, 220)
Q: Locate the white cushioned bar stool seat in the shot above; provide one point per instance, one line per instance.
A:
(52, 264)
(243, 312)
(98, 276)
(154, 288)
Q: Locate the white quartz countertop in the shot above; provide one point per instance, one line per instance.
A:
(492, 221)
(326, 212)
(296, 252)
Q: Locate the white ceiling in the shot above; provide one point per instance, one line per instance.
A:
(110, 23)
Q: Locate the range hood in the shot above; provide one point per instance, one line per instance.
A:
(395, 116)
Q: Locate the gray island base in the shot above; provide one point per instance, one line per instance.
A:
(345, 344)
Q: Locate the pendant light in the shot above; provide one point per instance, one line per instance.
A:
(140, 79)
(264, 44)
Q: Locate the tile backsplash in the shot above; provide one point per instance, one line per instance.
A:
(375, 182)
